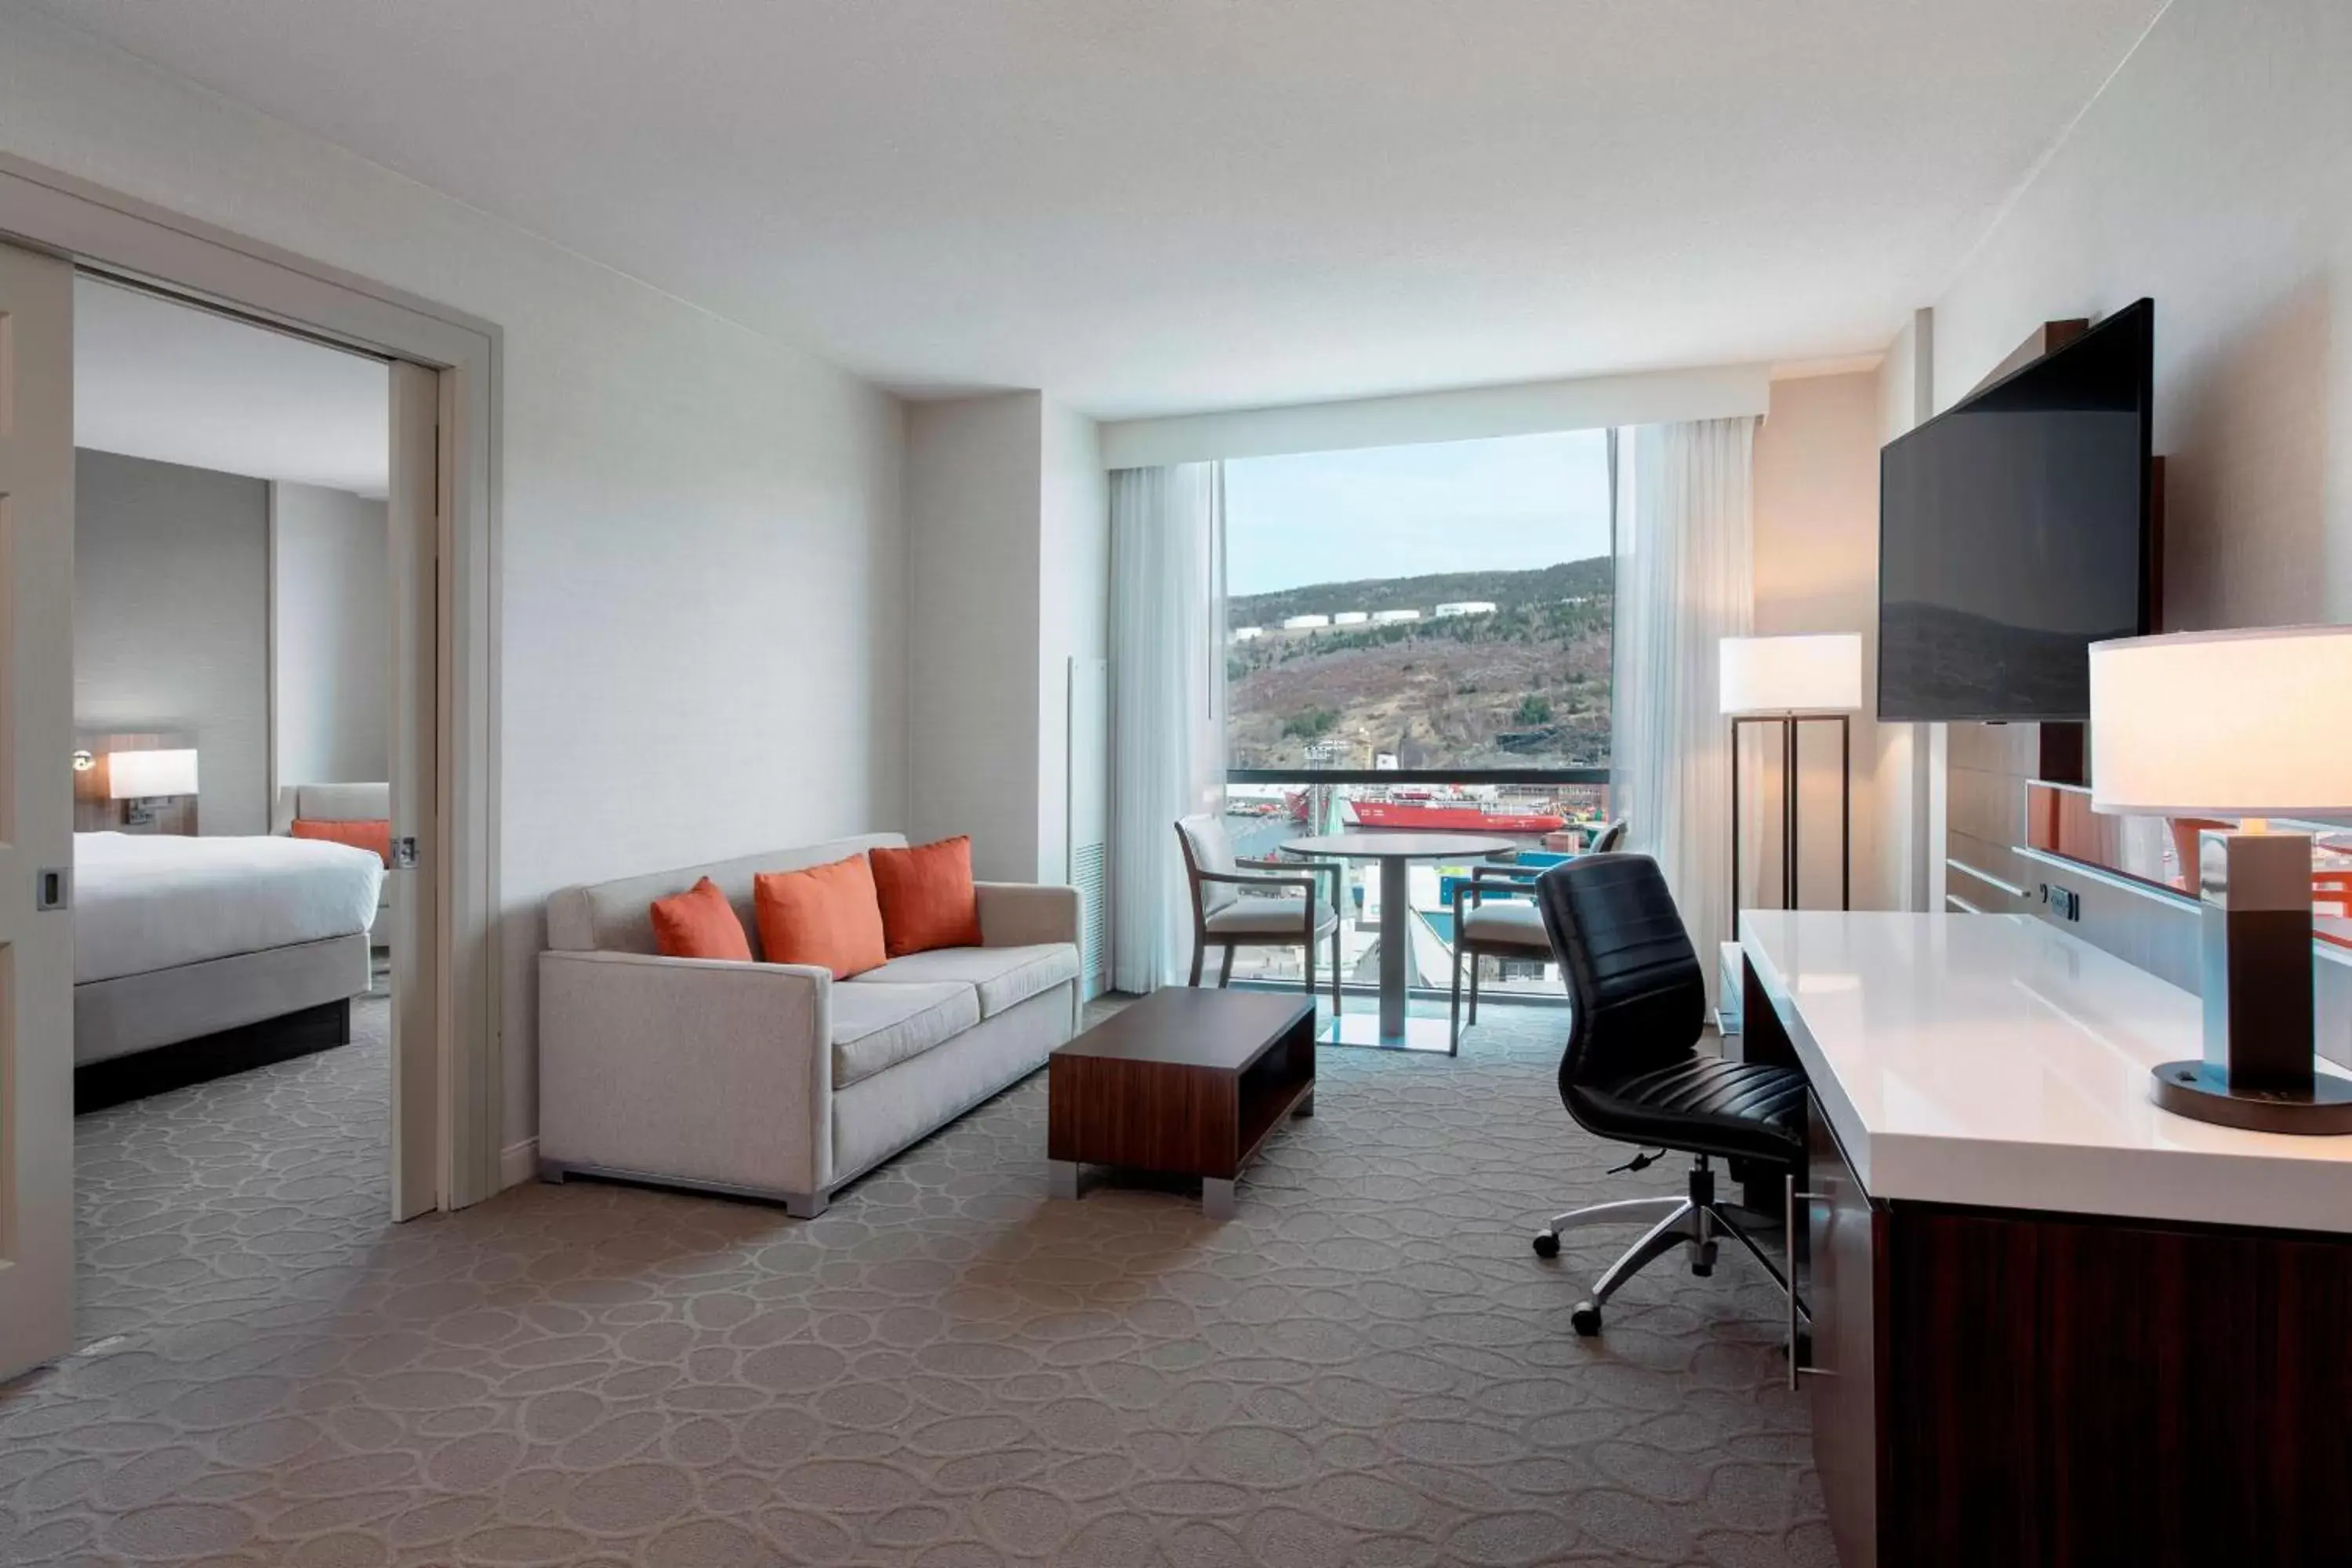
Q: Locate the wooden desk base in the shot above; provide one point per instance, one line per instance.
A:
(2000, 1386)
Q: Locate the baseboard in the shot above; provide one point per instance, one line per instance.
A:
(517, 1163)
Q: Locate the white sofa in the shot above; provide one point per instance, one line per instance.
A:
(775, 1080)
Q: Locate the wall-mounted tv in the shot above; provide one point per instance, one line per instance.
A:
(2013, 534)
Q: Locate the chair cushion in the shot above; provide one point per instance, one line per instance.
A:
(696, 923)
(826, 915)
(1259, 914)
(1004, 976)
(1212, 851)
(1702, 1103)
(927, 896)
(1513, 922)
(878, 1027)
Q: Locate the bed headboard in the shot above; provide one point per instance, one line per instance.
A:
(330, 803)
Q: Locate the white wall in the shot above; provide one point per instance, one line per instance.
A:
(330, 642)
(973, 588)
(2212, 175)
(1816, 570)
(1008, 579)
(1519, 408)
(703, 641)
(1903, 808)
(1074, 610)
(171, 620)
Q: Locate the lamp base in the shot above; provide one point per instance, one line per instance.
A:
(2201, 1092)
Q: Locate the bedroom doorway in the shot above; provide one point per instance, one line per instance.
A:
(443, 1150)
(256, 702)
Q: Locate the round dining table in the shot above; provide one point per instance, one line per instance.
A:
(1395, 851)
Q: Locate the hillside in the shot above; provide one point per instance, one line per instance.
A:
(1526, 685)
(1547, 585)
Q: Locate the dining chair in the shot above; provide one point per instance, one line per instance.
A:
(1507, 928)
(1236, 908)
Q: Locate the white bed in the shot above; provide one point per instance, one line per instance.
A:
(178, 938)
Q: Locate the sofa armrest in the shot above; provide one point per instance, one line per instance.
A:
(689, 1069)
(1024, 914)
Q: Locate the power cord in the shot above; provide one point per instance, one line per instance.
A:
(1640, 1162)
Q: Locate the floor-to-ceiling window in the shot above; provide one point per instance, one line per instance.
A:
(1419, 637)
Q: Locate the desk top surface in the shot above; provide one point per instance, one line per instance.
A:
(1995, 1060)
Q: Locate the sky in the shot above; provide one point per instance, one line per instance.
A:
(1514, 502)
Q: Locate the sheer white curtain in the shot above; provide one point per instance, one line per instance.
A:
(1168, 703)
(1685, 582)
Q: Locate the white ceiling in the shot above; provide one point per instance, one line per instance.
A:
(154, 379)
(1193, 205)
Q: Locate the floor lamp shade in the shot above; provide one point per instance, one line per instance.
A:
(1787, 682)
(2245, 724)
(1815, 673)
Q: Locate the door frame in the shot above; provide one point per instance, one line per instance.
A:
(105, 231)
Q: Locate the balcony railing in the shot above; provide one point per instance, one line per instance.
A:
(1548, 814)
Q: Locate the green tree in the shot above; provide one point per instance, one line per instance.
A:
(1535, 708)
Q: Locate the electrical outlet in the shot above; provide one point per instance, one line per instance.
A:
(2066, 904)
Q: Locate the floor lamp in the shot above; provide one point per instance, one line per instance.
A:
(1791, 681)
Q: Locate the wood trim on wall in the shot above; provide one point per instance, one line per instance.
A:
(210, 267)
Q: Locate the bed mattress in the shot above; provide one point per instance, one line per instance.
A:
(150, 902)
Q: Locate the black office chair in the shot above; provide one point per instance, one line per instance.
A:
(1633, 1071)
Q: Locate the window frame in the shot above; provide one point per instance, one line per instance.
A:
(1575, 775)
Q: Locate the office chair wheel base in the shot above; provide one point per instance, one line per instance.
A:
(1585, 1319)
(1547, 1244)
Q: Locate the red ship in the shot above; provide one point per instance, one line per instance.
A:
(1455, 815)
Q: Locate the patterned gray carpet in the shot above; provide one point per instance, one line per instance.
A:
(1368, 1367)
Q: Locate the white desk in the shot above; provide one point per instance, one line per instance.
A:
(2048, 1322)
(1997, 1061)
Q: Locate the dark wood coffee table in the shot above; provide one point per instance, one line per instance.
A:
(1184, 1082)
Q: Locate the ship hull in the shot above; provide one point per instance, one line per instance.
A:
(1433, 816)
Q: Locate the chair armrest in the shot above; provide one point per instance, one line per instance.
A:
(1489, 880)
(1025, 914)
(1302, 880)
(1331, 869)
(696, 1069)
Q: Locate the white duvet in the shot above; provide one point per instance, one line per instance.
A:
(145, 901)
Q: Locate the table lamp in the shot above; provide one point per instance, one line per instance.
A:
(1788, 681)
(2246, 724)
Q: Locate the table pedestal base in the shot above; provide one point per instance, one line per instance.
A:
(1364, 1030)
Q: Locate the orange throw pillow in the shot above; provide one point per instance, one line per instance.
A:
(700, 923)
(928, 899)
(826, 915)
(375, 836)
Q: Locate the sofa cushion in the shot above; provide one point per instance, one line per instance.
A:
(878, 1027)
(927, 896)
(1005, 976)
(826, 915)
(699, 923)
(614, 917)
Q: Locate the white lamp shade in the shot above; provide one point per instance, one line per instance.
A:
(1811, 674)
(2238, 723)
(142, 775)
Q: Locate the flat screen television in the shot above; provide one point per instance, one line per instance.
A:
(2013, 534)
